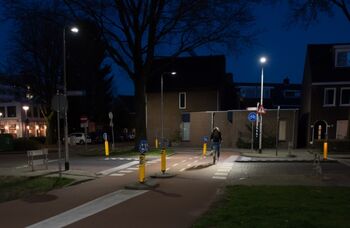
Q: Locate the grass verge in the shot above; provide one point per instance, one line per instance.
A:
(279, 206)
(18, 187)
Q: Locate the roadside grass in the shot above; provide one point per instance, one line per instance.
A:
(12, 188)
(279, 206)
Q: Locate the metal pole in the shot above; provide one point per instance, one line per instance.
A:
(252, 142)
(261, 103)
(66, 164)
(277, 128)
(112, 136)
(162, 109)
(59, 139)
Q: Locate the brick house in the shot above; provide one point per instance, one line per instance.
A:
(201, 84)
(326, 92)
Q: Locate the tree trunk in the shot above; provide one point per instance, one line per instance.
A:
(51, 129)
(140, 107)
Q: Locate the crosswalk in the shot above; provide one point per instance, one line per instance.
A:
(220, 171)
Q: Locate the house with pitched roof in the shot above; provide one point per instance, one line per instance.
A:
(325, 109)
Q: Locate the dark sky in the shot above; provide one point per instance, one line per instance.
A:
(284, 48)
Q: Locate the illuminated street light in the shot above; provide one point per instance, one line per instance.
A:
(26, 108)
(74, 30)
(262, 62)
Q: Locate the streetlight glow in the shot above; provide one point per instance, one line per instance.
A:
(173, 73)
(25, 108)
(263, 59)
(74, 29)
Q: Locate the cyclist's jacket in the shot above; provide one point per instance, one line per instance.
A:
(216, 136)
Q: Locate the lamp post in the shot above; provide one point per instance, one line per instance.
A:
(163, 156)
(74, 30)
(262, 62)
(26, 108)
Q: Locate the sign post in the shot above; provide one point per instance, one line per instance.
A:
(106, 144)
(252, 118)
(84, 122)
(110, 115)
(143, 148)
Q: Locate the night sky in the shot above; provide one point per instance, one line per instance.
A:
(284, 48)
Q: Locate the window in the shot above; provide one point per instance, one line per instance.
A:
(342, 129)
(345, 96)
(248, 92)
(182, 100)
(329, 97)
(282, 130)
(342, 58)
(11, 111)
(2, 111)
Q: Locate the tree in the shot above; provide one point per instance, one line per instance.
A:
(138, 31)
(308, 11)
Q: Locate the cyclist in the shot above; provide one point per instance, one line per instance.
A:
(216, 139)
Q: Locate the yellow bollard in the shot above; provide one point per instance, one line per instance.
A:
(106, 148)
(204, 149)
(142, 168)
(325, 150)
(156, 143)
(163, 160)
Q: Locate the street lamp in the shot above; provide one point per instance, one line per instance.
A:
(163, 156)
(262, 62)
(26, 108)
(74, 30)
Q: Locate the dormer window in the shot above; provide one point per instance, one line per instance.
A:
(342, 57)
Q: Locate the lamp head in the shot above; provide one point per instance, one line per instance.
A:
(173, 73)
(263, 60)
(74, 29)
(25, 108)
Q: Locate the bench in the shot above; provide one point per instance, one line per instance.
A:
(37, 157)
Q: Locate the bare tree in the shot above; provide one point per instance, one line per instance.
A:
(308, 11)
(139, 31)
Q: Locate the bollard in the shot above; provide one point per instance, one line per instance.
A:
(106, 148)
(325, 150)
(142, 168)
(163, 160)
(204, 149)
(156, 143)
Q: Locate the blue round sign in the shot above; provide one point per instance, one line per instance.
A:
(252, 117)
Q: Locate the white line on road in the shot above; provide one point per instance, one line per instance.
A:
(221, 174)
(126, 171)
(133, 168)
(183, 169)
(115, 169)
(183, 160)
(175, 164)
(88, 209)
(117, 174)
(220, 178)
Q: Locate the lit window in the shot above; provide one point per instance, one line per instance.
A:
(182, 100)
(342, 58)
(345, 96)
(329, 97)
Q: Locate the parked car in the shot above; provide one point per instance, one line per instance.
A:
(78, 138)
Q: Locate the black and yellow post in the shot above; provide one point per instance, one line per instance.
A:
(204, 149)
(163, 160)
(156, 143)
(325, 150)
(142, 168)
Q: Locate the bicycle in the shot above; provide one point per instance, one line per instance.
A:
(215, 152)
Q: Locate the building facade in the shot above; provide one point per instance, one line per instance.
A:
(325, 109)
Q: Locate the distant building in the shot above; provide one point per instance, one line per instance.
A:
(326, 92)
(285, 95)
(200, 84)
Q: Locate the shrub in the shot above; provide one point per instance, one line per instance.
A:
(22, 144)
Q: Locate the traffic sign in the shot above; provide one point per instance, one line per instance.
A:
(59, 103)
(252, 116)
(261, 110)
(110, 115)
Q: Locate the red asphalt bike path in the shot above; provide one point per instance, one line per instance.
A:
(177, 202)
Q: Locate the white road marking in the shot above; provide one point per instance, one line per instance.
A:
(115, 169)
(167, 169)
(183, 160)
(133, 168)
(126, 171)
(117, 174)
(195, 161)
(196, 157)
(88, 209)
(188, 165)
(21, 167)
(224, 170)
(183, 169)
(220, 178)
(221, 174)
(175, 164)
